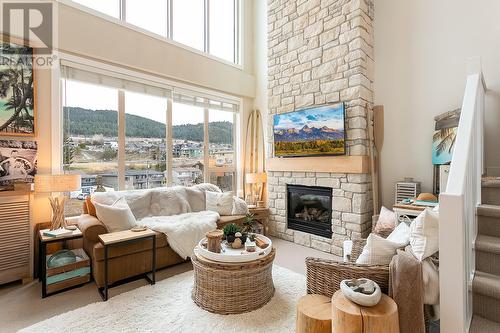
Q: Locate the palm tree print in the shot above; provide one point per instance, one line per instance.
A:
(16, 89)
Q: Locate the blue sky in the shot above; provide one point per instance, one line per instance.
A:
(328, 115)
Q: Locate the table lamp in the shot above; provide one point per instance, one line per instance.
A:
(257, 180)
(53, 184)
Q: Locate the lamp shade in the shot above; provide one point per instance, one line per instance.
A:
(256, 178)
(57, 183)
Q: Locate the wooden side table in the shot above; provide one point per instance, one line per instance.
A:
(43, 241)
(120, 238)
(314, 314)
(261, 215)
(348, 316)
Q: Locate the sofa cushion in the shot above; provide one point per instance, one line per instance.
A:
(90, 207)
(240, 207)
(221, 203)
(169, 201)
(207, 187)
(196, 199)
(139, 201)
(116, 217)
(377, 251)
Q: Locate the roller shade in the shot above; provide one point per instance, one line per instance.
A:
(98, 76)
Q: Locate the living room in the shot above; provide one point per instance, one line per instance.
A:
(264, 166)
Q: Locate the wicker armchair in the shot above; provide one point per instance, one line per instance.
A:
(324, 276)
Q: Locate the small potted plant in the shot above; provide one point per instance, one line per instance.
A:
(230, 231)
(248, 223)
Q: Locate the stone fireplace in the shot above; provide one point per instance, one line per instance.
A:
(321, 52)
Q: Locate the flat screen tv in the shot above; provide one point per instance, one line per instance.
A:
(314, 131)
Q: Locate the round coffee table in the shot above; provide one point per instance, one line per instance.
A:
(230, 288)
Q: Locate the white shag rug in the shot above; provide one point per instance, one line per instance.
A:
(167, 307)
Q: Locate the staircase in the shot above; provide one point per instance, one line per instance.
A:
(486, 282)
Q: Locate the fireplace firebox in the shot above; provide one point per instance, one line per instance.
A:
(309, 209)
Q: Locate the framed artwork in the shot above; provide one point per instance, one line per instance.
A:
(443, 142)
(18, 162)
(17, 94)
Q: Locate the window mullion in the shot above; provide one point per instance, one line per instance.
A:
(207, 26)
(206, 146)
(123, 10)
(121, 139)
(169, 148)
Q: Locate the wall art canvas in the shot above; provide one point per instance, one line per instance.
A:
(17, 96)
(18, 162)
(314, 131)
(443, 142)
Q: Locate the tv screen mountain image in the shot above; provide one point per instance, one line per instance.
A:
(314, 131)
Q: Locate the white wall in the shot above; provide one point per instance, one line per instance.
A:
(421, 49)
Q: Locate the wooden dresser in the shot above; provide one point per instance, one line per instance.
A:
(16, 237)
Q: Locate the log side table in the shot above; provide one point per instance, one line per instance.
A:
(348, 316)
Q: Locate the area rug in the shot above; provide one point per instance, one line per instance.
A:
(167, 307)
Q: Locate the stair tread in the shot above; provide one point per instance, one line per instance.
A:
(483, 325)
(486, 284)
(488, 210)
(490, 182)
(488, 244)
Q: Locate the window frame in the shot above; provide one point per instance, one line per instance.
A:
(58, 120)
(237, 56)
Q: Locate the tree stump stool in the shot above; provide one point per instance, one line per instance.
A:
(350, 317)
(314, 314)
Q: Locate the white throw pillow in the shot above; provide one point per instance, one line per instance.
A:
(377, 251)
(424, 237)
(240, 207)
(117, 216)
(400, 235)
(221, 203)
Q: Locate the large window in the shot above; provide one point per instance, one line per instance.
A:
(221, 128)
(222, 29)
(188, 139)
(148, 14)
(211, 26)
(145, 142)
(120, 134)
(108, 7)
(188, 23)
(90, 134)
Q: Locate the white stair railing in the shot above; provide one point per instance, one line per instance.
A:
(457, 211)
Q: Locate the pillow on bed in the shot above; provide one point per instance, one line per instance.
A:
(117, 216)
(221, 203)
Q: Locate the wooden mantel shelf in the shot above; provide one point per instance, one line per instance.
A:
(336, 164)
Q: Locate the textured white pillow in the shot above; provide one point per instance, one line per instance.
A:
(240, 207)
(424, 236)
(400, 235)
(377, 251)
(117, 216)
(221, 203)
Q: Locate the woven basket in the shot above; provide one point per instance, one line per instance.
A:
(324, 276)
(230, 288)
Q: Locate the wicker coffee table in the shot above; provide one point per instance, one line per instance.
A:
(230, 288)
